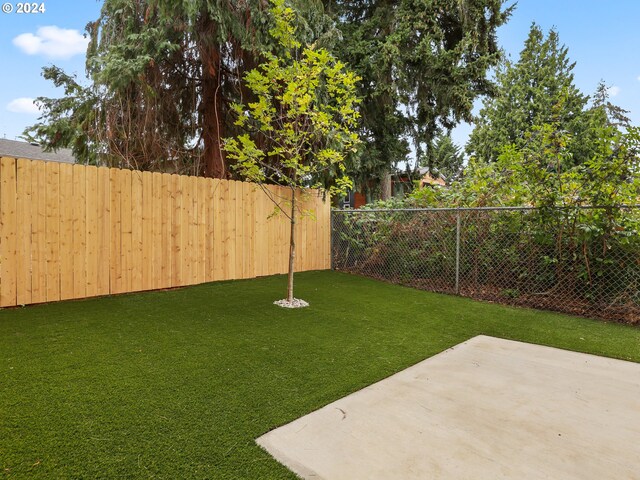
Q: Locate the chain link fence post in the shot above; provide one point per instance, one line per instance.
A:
(332, 229)
(457, 289)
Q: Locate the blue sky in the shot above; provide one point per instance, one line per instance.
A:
(603, 39)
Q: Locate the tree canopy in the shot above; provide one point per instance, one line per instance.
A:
(536, 90)
(422, 65)
(162, 78)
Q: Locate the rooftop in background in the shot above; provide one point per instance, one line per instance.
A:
(16, 149)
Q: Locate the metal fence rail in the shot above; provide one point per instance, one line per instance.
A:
(583, 261)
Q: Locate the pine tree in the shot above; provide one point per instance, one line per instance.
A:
(443, 158)
(537, 90)
(423, 63)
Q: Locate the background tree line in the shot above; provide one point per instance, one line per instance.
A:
(162, 77)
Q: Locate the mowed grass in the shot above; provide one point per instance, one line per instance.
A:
(178, 384)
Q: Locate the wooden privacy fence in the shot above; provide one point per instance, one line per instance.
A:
(74, 231)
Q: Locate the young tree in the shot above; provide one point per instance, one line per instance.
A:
(305, 107)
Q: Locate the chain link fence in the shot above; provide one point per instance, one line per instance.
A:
(582, 261)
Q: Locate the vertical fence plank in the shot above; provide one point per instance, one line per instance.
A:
(103, 235)
(185, 248)
(285, 229)
(116, 232)
(270, 226)
(202, 229)
(220, 229)
(249, 230)
(92, 204)
(260, 238)
(167, 205)
(239, 230)
(301, 253)
(136, 231)
(232, 234)
(176, 231)
(210, 190)
(157, 230)
(147, 231)
(66, 231)
(8, 228)
(322, 245)
(24, 203)
(38, 233)
(126, 239)
(79, 230)
(192, 244)
(52, 230)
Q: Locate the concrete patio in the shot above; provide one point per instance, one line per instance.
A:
(485, 409)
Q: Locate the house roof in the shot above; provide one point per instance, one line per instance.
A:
(429, 180)
(16, 149)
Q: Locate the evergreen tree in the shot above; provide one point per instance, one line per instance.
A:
(443, 158)
(423, 63)
(163, 76)
(613, 115)
(537, 90)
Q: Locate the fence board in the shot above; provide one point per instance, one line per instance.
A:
(156, 245)
(91, 210)
(211, 186)
(8, 224)
(72, 231)
(116, 232)
(52, 233)
(136, 231)
(224, 254)
(66, 231)
(38, 233)
(192, 248)
(79, 232)
(147, 230)
(104, 231)
(165, 230)
(202, 228)
(247, 229)
(176, 232)
(23, 234)
(125, 218)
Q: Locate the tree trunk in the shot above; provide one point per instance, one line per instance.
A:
(212, 114)
(292, 246)
(385, 187)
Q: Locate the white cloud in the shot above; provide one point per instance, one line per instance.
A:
(613, 91)
(638, 77)
(52, 42)
(23, 105)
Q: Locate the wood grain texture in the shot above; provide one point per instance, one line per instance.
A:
(74, 231)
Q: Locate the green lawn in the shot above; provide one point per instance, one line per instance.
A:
(177, 384)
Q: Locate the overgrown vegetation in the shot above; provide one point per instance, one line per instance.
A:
(538, 145)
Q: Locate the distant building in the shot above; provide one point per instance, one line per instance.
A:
(427, 180)
(32, 151)
(401, 184)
